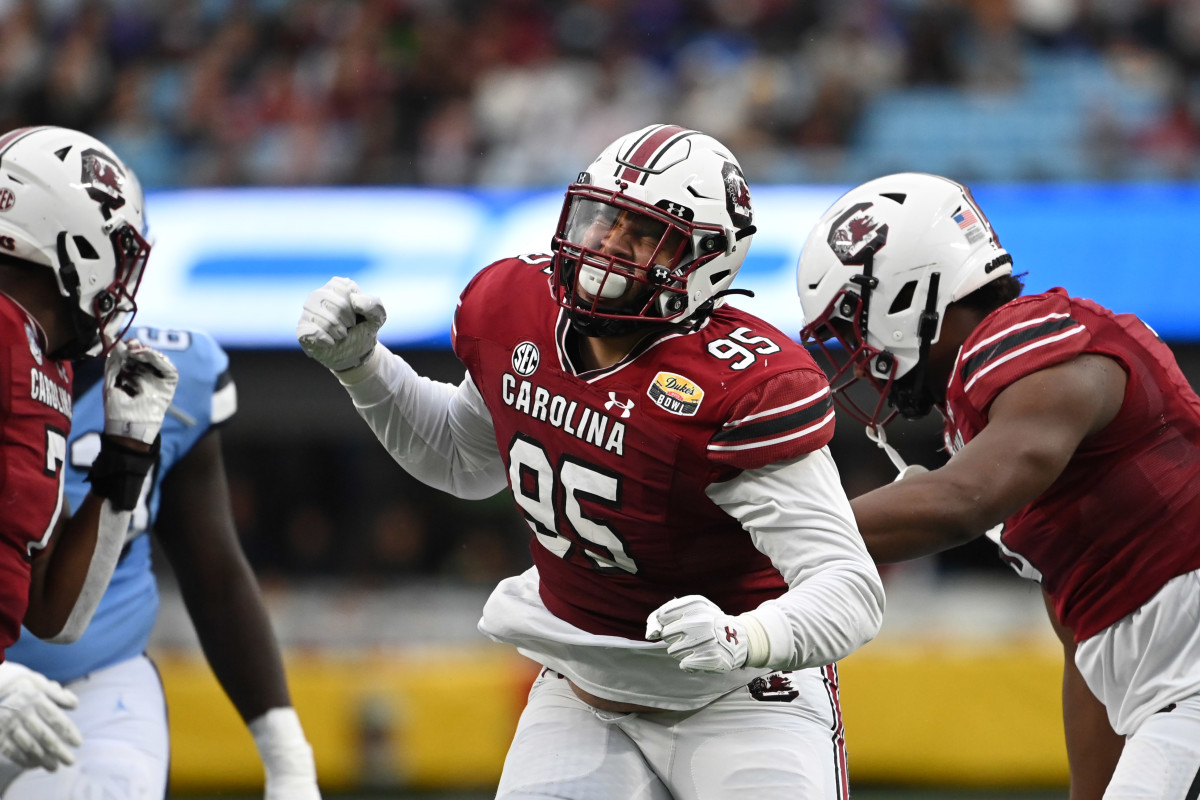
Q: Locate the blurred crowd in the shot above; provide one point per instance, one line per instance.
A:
(503, 92)
(526, 92)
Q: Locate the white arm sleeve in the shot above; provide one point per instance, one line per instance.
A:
(440, 433)
(798, 515)
(110, 540)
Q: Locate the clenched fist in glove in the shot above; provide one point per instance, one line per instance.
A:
(34, 731)
(139, 384)
(339, 325)
(703, 638)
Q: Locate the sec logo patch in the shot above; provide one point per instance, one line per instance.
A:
(526, 358)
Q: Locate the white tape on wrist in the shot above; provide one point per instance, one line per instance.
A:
(366, 369)
(758, 646)
(282, 746)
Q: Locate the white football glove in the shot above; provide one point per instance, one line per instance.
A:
(701, 636)
(139, 383)
(34, 731)
(339, 325)
(286, 755)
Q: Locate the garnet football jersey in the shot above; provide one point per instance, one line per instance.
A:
(35, 419)
(1121, 520)
(610, 466)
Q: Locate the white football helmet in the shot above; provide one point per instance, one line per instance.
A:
(68, 203)
(683, 194)
(876, 275)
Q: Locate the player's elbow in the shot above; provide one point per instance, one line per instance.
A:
(51, 627)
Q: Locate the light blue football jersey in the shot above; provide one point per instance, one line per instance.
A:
(205, 397)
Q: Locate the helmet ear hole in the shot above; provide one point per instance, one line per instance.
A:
(904, 298)
(85, 248)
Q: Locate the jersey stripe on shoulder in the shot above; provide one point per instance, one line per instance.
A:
(1015, 341)
(775, 425)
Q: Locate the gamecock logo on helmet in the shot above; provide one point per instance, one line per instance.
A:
(737, 195)
(856, 234)
(103, 179)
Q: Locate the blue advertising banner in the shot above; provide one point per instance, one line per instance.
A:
(239, 262)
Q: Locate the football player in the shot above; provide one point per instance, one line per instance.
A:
(72, 251)
(122, 713)
(697, 571)
(1075, 443)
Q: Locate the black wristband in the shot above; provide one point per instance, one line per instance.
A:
(118, 472)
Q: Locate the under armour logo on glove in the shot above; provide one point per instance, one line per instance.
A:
(701, 636)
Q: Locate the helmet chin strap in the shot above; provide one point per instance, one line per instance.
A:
(710, 305)
(878, 435)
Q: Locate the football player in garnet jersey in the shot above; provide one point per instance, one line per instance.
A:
(1075, 443)
(72, 250)
(697, 568)
(122, 713)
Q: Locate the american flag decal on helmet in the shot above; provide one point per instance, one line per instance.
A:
(642, 157)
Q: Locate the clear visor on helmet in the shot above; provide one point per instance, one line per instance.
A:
(114, 307)
(618, 257)
(861, 376)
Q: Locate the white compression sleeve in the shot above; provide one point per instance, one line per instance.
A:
(110, 539)
(797, 514)
(440, 433)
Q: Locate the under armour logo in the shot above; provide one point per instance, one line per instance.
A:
(613, 402)
(731, 634)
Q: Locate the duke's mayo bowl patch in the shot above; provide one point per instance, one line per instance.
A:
(676, 394)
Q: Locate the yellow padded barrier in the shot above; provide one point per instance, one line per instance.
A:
(925, 714)
(423, 719)
(951, 714)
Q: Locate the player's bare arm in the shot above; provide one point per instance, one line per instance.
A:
(1093, 748)
(68, 580)
(197, 534)
(1034, 427)
(196, 530)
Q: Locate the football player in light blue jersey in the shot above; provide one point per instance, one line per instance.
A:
(185, 500)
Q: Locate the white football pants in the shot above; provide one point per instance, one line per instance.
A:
(124, 756)
(780, 738)
(1161, 760)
